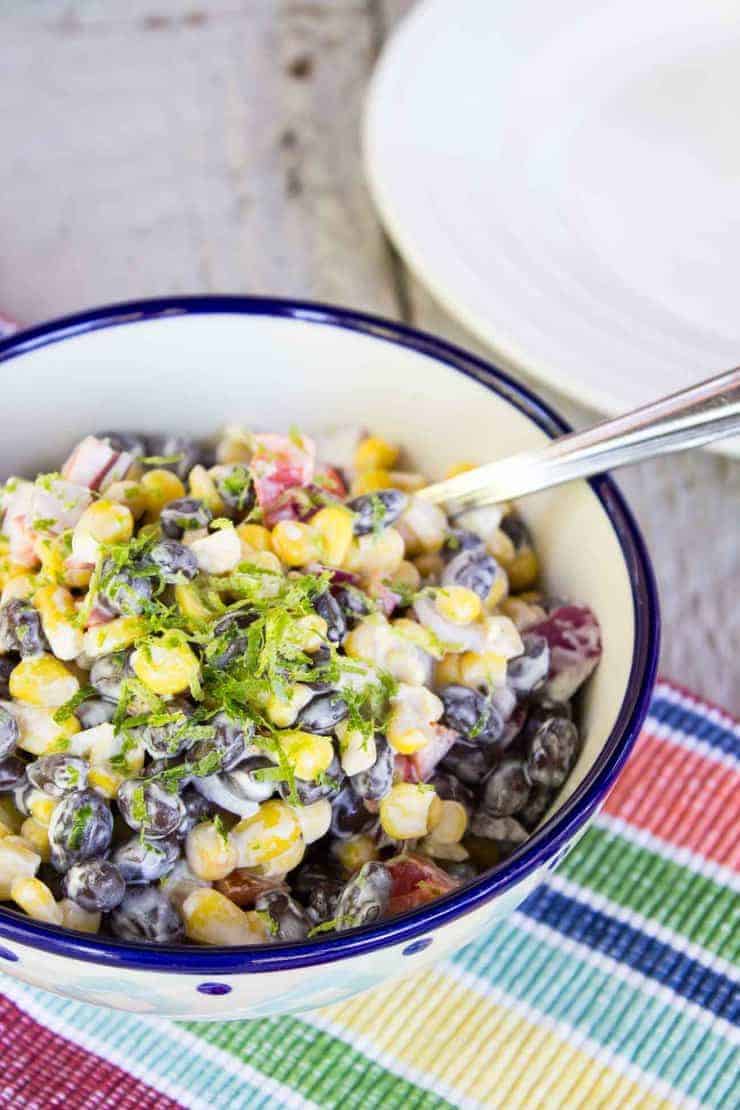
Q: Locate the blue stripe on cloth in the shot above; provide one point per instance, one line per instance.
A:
(653, 958)
(695, 724)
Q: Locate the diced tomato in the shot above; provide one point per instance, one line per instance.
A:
(280, 463)
(421, 765)
(331, 482)
(91, 461)
(574, 638)
(243, 888)
(416, 880)
(98, 615)
(388, 600)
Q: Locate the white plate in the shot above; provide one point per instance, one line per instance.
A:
(565, 177)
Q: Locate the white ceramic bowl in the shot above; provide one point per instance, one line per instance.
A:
(190, 365)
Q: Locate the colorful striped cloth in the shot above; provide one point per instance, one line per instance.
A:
(614, 985)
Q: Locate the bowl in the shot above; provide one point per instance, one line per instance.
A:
(189, 365)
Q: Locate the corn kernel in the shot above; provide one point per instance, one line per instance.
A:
(376, 555)
(37, 836)
(10, 816)
(128, 493)
(42, 680)
(407, 481)
(5, 830)
(309, 755)
(523, 572)
(501, 547)
(429, 565)
(218, 552)
(457, 604)
(113, 636)
(407, 577)
(373, 452)
(447, 671)
(74, 917)
(484, 668)
(203, 487)
(21, 587)
(39, 732)
(522, 613)
(266, 836)
(458, 468)
(435, 848)
(310, 632)
(235, 445)
(255, 537)
(36, 899)
(159, 487)
(282, 711)
(56, 607)
(370, 481)
(103, 522)
(358, 750)
(41, 806)
(502, 636)
(423, 526)
(211, 918)
(355, 852)
(334, 525)
(448, 821)
(414, 709)
(418, 635)
(192, 604)
(404, 811)
(17, 860)
(105, 780)
(295, 543)
(314, 819)
(165, 665)
(209, 853)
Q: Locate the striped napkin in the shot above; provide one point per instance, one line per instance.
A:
(614, 985)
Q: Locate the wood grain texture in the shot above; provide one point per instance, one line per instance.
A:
(167, 146)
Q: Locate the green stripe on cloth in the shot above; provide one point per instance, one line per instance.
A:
(620, 1014)
(699, 908)
(320, 1067)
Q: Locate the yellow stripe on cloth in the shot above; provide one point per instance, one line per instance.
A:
(484, 1052)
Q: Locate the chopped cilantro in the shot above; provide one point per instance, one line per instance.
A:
(138, 805)
(44, 523)
(64, 712)
(268, 921)
(221, 830)
(162, 460)
(79, 824)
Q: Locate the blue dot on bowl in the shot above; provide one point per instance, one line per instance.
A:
(214, 988)
(6, 954)
(416, 946)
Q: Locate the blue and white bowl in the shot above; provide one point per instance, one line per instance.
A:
(192, 364)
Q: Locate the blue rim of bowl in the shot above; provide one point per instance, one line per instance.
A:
(547, 844)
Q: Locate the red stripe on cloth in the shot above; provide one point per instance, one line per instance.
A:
(681, 797)
(39, 1069)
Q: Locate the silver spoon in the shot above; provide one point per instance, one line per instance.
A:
(689, 418)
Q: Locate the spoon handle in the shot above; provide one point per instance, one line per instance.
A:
(690, 418)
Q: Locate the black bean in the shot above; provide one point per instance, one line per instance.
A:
(528, 671)
(377, 510)
(329, 608)
(12, 772)
(319, 888)
(353, 603)
(236, 488)
(8, 663)
(468, 761)
(197, 809)
(58, 774)
(289, 920)
(376, 782)
(540, 799)
(365, 897)
(228, 638)
(168, 740)
(349, 815)
(189, 451)
(9, 733)
(175, 562)
(451, 789)
(124, 442)
(322, 714)
(144, 861)
(474, 569)
(108, 673)
(94, 712)
(186, 514)
(327, 786)
(471, 714)
(230, 741)
(457, 541)
(148, 807)
(507, 789)
(515, 528)
(147, 914)
(552, 752)
(95, 884)
(21, 629)
(506, 830)
(81, 828)
(235, 791)
(123, 591)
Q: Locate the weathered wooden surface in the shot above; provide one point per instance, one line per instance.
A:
(163, 146)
